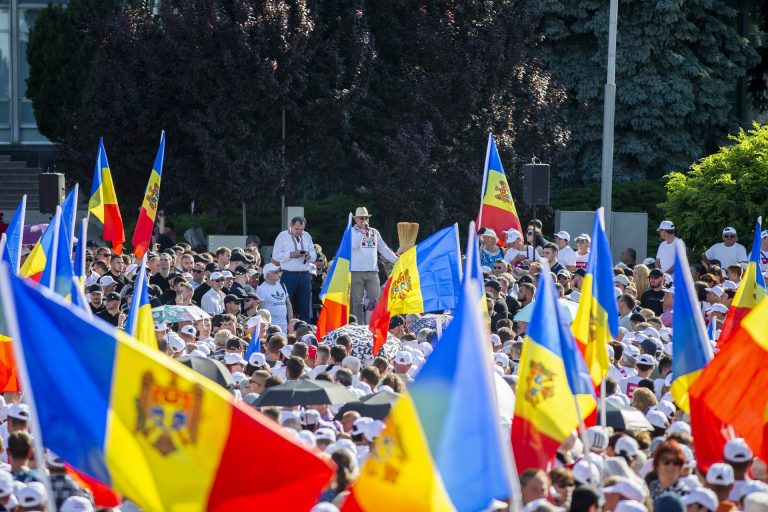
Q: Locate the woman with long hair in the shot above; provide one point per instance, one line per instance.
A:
(642, 282)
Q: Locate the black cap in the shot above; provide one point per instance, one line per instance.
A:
(649, 346)
(96, 287)
(492, 283)
(251, 295)
(580, 272)
(231, 298)
(238, 256)
(212, 267)
(656, 273)
(396, 321)
(240, 270)
(112, 296)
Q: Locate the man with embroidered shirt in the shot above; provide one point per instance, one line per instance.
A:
(293, 253)
(366, 245)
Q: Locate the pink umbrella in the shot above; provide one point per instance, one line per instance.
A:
(33, 233)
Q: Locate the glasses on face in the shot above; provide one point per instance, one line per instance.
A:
(581, 241)
(667, 462)
(729, 236)
(197, 271)
(218, 280)
(102, 254)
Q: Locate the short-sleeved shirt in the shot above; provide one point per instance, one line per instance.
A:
(274, 298)
(727, 255)
(582, 260)
(666, 254)
(567, 256)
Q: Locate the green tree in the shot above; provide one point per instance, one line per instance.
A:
(727, 188)
(61, 51)
(677, 65)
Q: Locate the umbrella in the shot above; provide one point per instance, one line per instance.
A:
(568, 310)
(175, 314)
(624, 417)
(429, 321)
(305, 392)
(32, 233)
(214, 370)
(362, 342)
(376, 406)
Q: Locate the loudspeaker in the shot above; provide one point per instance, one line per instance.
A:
(536, 183)
(51, 191)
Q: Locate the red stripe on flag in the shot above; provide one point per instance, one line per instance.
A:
(532, 448)
(708, 435)
(103, 495)
(142, 235)
(113, 227)
(731, 324)
(293, 480)
(379, 323)
(498, 219)
(9, 380)
(332, 316)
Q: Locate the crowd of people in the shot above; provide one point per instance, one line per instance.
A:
(621, 470)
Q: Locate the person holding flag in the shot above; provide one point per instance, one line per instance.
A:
(335, 291)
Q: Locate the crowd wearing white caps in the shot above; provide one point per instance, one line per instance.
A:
(275, 302)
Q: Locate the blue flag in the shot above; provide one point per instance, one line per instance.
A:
(255, 345)
(13, 237)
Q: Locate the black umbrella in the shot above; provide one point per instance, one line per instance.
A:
(624, 417)
(376, 406)
(214, 370)
(305, 392)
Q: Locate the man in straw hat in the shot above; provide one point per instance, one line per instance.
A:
(366, 244)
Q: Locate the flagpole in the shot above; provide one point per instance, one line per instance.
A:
(75, 191)
(84, 235)
(458, 248)
(582, 428)
(9, 307)
(485, 180)
(603, 412)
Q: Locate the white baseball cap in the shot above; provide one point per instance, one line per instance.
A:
(257, 359)
(18, 412)
(232, 358)
(310, 417)
(403, 357)
(729, 230)
(501, 359)
(215, 276)
(702, 496)
(668, 408)
(6, 484)
(585, 472)
(177, 344)
(495, 340)
(657, 418)
(583, 236)
(189, 330)
(646, 359)
(720, 473)
(512, 235)
(630, 506)
(717, 290)
(666, 225)
(597, 437)
(106, 281)
(325, 434)
(621, 279)
(76, 504)
(736, 450)
(270, 267)
(31, 495)
(690, 459)
(730, 285)
(563, 235)
(678, 426)
(627, 446)
(53, 460)
(161, 326)
(287, 351)
(718, 308)
(627, 488)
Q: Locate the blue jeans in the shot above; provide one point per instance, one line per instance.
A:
(299, 286)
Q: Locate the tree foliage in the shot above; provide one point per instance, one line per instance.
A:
(727, 188)
(61, 49)
(392, 98)
(677, 64)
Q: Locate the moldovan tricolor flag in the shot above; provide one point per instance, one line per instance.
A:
(750, 292)
(335, 291)
(145, 425)
(597, 319)
(9, 379)
(497, 207)
(553, 378)
(13, 236)
(103, 202)
(142, 235)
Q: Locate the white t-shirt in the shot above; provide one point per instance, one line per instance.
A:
(629, 385)
(567, 257)
(727, 255)
(513, 253)
(581, 260)
(274, 298)
(212, 302)
(666, 254)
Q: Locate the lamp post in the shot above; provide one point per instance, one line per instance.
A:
(609, 115)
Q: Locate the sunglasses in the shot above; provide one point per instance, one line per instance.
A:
(667, 462)
(729, 236)
(217, 280)
(581, 241)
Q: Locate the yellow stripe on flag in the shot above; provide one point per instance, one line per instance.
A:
(405, 291)
(498, 194)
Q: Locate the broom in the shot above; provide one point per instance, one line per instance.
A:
(406, 235)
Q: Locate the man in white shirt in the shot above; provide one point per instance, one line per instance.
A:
(213, 300)
(763, 251)
(274, 297)
(366, 246)
(728, 251)
(293, 253)
(566, 255)
(665, 256)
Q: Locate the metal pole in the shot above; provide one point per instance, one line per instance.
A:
(245, 227)
(282, 198)
(609, 115)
